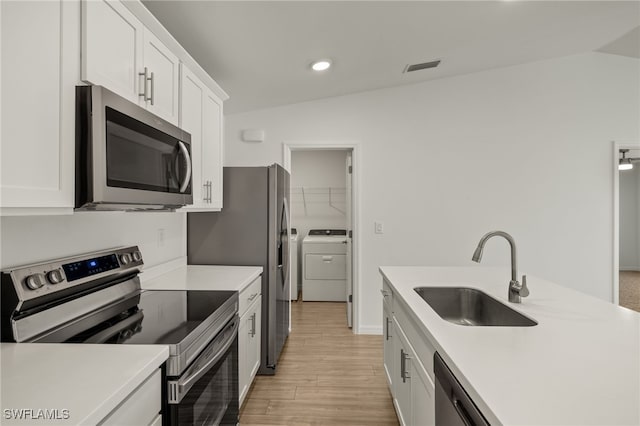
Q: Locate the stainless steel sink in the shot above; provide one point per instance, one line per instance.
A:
(468, 306)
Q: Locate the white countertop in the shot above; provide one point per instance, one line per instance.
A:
(87, 380)
(580, 365)
(205, 277)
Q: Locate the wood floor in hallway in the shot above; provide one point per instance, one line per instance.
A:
(326, 375)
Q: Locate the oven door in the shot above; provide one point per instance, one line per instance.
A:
(207, 392)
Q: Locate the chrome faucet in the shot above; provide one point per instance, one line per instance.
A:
(516, 290)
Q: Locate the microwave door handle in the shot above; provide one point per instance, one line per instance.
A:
(187, 178)
(186, 383)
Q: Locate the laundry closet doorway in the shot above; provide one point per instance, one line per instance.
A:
(322, 215)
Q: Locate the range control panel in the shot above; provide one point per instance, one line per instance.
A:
(37, 280)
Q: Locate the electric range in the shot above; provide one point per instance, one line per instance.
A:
(96, 298)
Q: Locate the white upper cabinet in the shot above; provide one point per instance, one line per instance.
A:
(201, 116)
(50, 47)
(192, 93)
(40, 69)
(112, 43)
(121, 54)
(161, 80)
(212, 148)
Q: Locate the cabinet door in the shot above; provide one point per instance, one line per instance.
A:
(112, 44)
(249, 351)
(212, 148)
(243, 367)
(388, 344)
(192, 93)
(402, 375)
(200, 115)
(161, 85)
(423, 403)
(40, 69)
(414, 395)
(253, 354)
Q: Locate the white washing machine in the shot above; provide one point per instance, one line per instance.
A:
(324, 265)
(295, 282)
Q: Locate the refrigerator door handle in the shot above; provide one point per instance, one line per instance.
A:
(285, 241)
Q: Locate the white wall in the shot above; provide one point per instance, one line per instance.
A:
(526, 149)
(629, 219)
(40, 238)
(316, 172)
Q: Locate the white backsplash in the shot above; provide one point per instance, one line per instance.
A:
(38, 238)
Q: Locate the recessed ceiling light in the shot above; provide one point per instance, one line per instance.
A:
(321, 65)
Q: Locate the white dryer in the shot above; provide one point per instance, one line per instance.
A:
(324, 265)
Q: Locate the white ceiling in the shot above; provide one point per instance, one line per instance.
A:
(259, 52)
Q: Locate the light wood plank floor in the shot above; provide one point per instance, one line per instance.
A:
(326, 375)
(630, 290)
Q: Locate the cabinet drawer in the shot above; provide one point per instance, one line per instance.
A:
(325, 266)
(249, 295)
(141, 407)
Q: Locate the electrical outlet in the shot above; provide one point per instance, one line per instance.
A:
(379, 228)
(160, 237)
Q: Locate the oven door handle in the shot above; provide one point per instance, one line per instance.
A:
(179, 388)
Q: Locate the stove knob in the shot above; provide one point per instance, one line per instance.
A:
(35, 281)
(125, 259)
(137, 256)
(55, 276)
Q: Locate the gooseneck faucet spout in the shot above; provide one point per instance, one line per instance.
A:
(516, 290)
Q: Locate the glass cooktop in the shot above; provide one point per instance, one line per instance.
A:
(158, 317)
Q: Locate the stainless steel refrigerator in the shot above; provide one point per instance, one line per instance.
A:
(251, 230)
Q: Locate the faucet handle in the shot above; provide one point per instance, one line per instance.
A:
(524, 290)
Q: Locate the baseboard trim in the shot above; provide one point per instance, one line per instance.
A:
(629, 269)
(369, 330)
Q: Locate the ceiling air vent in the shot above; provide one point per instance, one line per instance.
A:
(422, 66)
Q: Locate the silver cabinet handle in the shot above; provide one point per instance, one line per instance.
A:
(253, 324)
(187, 178)
(404, 356)
(205, 191)
(152, 87)
(388, 335)
(207, 198)
(385, 293)
(253, 296)
(144, 83)
(210, 192)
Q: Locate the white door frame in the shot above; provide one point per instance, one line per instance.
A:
(355, 200)
(616, 216)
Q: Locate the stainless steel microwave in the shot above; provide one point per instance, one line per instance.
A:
(126, 157)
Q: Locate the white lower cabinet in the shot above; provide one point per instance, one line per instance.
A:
(157, 421)
(388, 342)
(410, 383)
(141, 407)
(249, 336)
(414, 392)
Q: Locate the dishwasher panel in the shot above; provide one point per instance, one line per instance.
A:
(453, 405)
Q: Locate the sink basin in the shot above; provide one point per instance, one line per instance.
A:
(468, 306)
